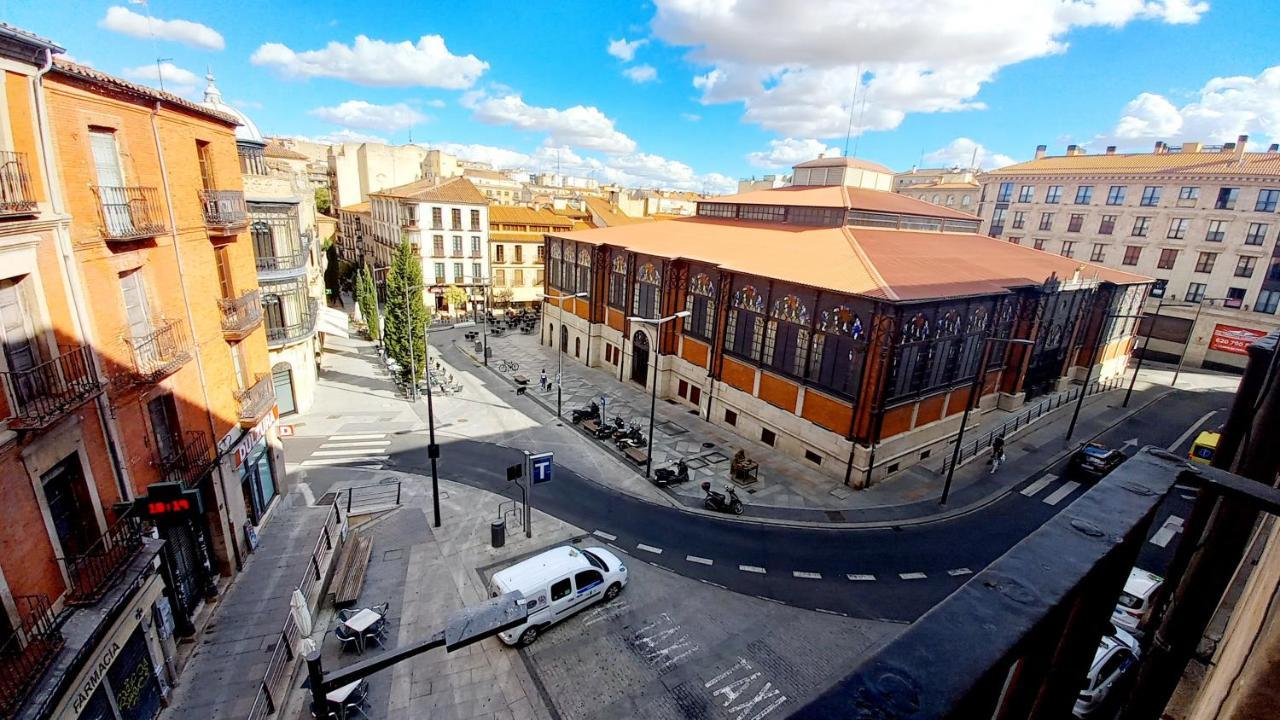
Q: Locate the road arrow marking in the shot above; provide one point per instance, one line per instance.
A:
(1131, 442)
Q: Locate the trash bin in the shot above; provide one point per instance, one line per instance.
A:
(489, 353)
(479, 346)
(498, 533)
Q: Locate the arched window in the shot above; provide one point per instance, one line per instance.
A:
(700, 301)
(618, 280)
(786, 341)
(584, 270)
(556, 266)
(568, 269)
(951, 200)
(648, 284)
(936, 198)
(745, 328)
(838, 348)
(965, 200)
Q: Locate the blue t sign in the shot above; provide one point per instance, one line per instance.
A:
(541, 465)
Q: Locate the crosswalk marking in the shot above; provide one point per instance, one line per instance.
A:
(345, 461)
(355, 444)
(359, 436)
(1171, 527)
(1057, 495)
(1038, 485)
(352, 451)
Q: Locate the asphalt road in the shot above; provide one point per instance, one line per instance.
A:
(889, 574)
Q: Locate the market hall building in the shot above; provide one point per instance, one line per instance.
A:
(834, 320)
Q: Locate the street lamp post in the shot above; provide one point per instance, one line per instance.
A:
(433, 450)
(975, 391)
(1191, 333)
(486, 283)
(1088, 371)
(560, 350)
(653, 401)
(1146, 341)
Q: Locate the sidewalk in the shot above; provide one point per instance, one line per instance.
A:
(788, 490)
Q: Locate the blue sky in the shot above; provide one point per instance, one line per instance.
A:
(697, 93)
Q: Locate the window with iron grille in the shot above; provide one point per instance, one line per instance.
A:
(455, 219)
(437, 221)
(618, 280)
(475, 220)
(1204, 263)
(1131, 255)
(822, 217)
(700, 301)
(457, 246)
(475, 246)
(437, 245)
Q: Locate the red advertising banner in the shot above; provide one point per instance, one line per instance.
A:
(1232, 339)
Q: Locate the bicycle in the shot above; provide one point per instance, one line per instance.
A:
(508, 366)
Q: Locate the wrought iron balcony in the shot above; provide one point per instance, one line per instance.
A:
(130, 213)
(43, 394)
(190, 462)
(283, 333)
(224, 211)
(160, 352)
(93, 571)
(256, 400)
(284, 256)
(16, 196)
(27, 652)
(240, 316)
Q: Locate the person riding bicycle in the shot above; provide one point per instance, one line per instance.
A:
(997, 452)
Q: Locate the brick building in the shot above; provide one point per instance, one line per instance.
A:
(833, 319)
(136, 409)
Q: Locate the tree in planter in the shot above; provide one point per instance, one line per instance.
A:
(407, 316)
(456, 298)
(367, 297)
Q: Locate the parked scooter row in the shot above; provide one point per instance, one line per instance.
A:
(622, 434)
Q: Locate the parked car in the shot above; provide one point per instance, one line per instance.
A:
(1115, 658)
(1133, 610)
(556, 584)
(1095, 460)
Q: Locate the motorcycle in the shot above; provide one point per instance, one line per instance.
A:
(609, 429)
(719, 502)
(667, 476)
(591, 412)
(632, 438)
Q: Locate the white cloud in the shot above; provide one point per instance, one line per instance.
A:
(343, 136)
(641, 73)
(179, 81)
(367, 116)
(1222, 109)
(691, 117)
(428, 63)
(125, 21)
(436, 103)
(789, 151)
(961, 153)
(915, 56)
(625, 50)
(247, 104)
(580, 126)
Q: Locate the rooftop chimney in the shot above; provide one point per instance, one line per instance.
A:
(1040, 150)
(1111, 149)
(1228, 147)
(1241, 142)
(1275, 147)
(1073, 150)
(1161, 148)
(1192, 147)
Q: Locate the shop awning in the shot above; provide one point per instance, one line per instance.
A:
(332, 322)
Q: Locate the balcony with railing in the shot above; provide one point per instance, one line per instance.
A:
(16, 196)
(285, 327)
(283, 257)
(241, 315)
(27, 652)
(161, 352)
(42, 394)
(130, 213)
(92, 573)
(190, 461)
(224, 211)
(256, 400)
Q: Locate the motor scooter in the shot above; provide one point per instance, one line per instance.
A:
(590, 412)
(610, 428)
(663, 477)
(632, 438)
(719, 501)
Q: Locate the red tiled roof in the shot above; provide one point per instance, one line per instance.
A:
(97, 77)
(452, 190)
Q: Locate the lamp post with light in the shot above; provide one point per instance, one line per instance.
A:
(560, 350)
(653, 402)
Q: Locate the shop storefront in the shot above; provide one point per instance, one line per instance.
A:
(178, 518)
(258, 482)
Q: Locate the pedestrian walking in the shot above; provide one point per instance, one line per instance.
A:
(542, 380)
(997, 453)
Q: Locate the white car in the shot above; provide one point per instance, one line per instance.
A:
(1136, 602)
(556, 584)
(1116, 656)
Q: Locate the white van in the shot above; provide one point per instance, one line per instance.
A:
(556, 584)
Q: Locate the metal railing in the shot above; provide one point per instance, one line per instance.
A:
(300, 328)
(364, 498)
(26, 653)
(1029, 415)
(190, 462)
(94, 571)
(224, 209)
(16, 196)
(273, 259)
(242, 314)
(44, 393)
(161, 351)
(275, 681)
(256, 400)
(130, 213)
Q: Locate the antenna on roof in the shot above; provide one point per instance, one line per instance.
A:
(862, 111)
(973, 161)
(852, 101)
(160, 70)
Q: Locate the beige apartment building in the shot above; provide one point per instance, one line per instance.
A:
(516, 237)
(1200, 219)
(955, 188)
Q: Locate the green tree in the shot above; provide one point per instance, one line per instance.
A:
(367, 298)
(324, 200)
(456, 298)
(407, 316)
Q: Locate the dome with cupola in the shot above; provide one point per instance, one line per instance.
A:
(247, 131)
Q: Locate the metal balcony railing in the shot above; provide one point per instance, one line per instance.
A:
(44, 393)
(26, 653)
(276, 259)
(224, 210)
(95, 570)
(278, 333)
(190, 462)
(160, 352)
(16, 196)
(256, 400)
(241, 315)
(130, 213)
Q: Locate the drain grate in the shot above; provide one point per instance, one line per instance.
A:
(696, 463)
(715, 458)
(327, 499)
(835, 516)
(671, 428)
